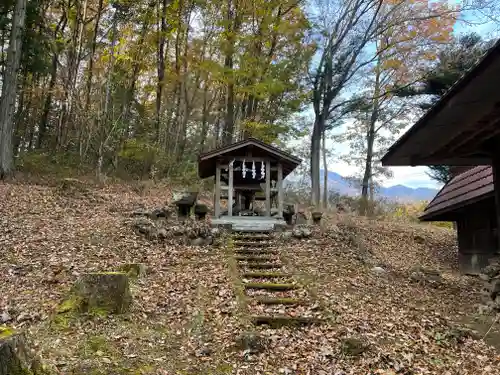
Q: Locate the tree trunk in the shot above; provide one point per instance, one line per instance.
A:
(233, 24)
(74, 75)
(370, 140)
(204, 119)
(9, 90)
(104, 134)
(42, 128)
(367, 176)
(161, 67)
(82, 150)
(65, 119)
(229, 118)
(92, 54)
(325, 173)
(315, 160)
(20, 122)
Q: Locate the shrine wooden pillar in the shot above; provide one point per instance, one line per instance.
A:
(280, 190)
(217, 190)
(268, 187)
(230, 189)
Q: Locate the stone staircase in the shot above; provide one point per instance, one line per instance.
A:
(273, 297)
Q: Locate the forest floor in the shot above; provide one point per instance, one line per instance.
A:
(185, 317)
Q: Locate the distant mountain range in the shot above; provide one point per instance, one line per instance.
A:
(396, 192)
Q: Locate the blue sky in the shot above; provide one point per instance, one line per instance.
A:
(411, 176)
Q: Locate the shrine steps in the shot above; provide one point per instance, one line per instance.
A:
(272, 296)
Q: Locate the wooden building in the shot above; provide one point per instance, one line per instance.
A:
(246, 171)
(463, 130)
(468, 200)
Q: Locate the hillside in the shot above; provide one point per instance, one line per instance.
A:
(186, 318)
(396, 192)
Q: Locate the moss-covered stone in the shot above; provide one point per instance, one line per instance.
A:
(99, 293)
(70, 304)
(14, 359)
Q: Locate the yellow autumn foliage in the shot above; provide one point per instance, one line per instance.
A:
(412, 211)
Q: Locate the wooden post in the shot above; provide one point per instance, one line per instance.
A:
(230, 190)
(496, 187)
(280, 190)
(217, 191)
(268, 187)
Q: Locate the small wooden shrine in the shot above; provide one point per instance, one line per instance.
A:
(245, 172)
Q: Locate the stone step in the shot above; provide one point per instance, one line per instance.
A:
(246, 244)
(269, 275)
(252, 237)
(256, 229)
(280, 301)
(271, 286)
(255, 251)
(278, 321)
(262, 266)
(255, 258)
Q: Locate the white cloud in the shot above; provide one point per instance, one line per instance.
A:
(412, 177)
(409, 176)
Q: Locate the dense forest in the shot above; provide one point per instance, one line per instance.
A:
(140, 88)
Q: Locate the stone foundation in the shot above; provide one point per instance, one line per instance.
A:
(473, 263)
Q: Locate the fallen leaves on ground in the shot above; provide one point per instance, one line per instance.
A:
(186, 315)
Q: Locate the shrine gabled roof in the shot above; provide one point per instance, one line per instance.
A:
(207, 160)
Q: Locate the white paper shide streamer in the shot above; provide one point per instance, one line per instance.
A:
(263, 170)
(254, 171)
(244, 169)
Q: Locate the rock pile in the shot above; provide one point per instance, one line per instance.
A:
(425, 275)
(301, 231)
(163, 212)
(491, 290)
(157, 225)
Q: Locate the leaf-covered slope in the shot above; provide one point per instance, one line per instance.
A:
(186, 315)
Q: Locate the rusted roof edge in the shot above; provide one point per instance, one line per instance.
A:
(466, 78)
